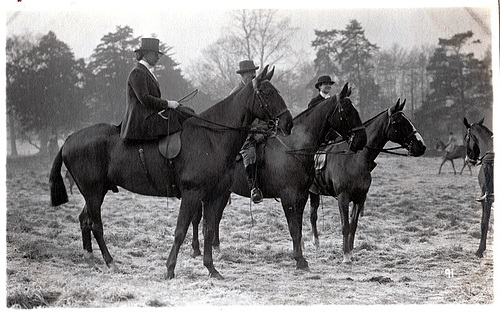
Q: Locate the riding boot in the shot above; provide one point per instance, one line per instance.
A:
(255, 194)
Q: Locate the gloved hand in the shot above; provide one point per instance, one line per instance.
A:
(172, 104)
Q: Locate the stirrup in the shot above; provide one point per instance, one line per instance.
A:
(482, 198)
(256, 195)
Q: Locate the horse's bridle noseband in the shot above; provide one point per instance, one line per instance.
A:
(349, 138)
(264, 104)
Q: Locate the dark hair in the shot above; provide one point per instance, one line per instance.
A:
(139, 55)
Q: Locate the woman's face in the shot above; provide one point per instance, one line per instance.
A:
(325, 88)
(152, 57)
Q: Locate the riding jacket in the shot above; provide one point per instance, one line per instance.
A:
(141, 119)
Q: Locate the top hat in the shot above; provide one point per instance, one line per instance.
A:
(246, 66)
(323, 79)
(149, 44)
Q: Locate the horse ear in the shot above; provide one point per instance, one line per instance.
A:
(349, 91)
(270, 74)
(466, 123)
(481, 121)
(263, 73)
(402, 105)
(344, 91)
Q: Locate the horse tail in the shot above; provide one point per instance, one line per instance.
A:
(58, 194)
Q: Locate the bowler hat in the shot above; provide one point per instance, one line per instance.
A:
(323, 79)
(149, 44)
(246, 66)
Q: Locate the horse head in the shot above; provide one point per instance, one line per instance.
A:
(346, 122)
(476, 138)
(271, 106)
(401, 131)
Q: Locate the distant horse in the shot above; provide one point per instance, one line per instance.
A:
(286, 165)
(458, 152)
(99, 160)
(348, 177)
(479, 143)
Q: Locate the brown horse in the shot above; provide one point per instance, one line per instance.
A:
(99, 160)
(348, 177)
(459, 152)
(285, 166)
(479, 143)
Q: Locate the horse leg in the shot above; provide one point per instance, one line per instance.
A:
(442, 163)
(93, 213)
(186, 213)
(210, 214)
(344, 217)
(453, 165)
(196, 223)
(314, 216)
(294, 210)
(226, 199)
(86, 227)
(463, 167)
(356, 210)
(485, 219)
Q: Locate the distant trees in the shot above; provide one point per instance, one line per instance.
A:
(44, 86)
(50, 93)
(460, 86)
(348, 56)
(260, 35)
(109, 65)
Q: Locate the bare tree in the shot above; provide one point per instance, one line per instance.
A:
(259, 35)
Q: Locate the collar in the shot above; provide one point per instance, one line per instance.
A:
(325, 95)
(149, 67)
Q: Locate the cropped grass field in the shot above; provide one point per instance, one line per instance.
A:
(414, 245)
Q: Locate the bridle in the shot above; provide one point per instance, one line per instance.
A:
(407, 141)
(479, 159)
(273, 119)
(349, 138)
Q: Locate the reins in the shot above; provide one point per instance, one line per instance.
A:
(273, 120)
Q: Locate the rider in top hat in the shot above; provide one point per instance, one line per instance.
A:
(324, 85)
(144, 102)
(247, 72)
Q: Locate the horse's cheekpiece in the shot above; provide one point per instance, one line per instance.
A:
(170, 146)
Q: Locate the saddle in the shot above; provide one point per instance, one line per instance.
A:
(170, 146)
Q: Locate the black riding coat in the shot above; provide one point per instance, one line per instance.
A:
(141, 119)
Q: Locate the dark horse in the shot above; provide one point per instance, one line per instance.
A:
(458, 152)
(479, 143)
(286, 165)
(99, 160)
(348, 177)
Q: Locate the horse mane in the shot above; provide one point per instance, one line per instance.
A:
(209, 110)
(369, 121)
(306, 112)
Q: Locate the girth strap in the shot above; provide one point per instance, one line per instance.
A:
(146, 170)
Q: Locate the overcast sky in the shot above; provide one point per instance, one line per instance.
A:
(190, 28)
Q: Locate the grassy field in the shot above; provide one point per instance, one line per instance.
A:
(414, 245)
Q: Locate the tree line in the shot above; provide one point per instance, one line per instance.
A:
(51, 94)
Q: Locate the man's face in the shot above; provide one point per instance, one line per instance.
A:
(152, 57)
(247, 76)
(325, 88)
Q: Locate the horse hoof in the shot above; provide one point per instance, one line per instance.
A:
(170, 274)
(216, 275)
(302, 265)
(479, 254)
(196, 253)
(348, 258)
(112, 266)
